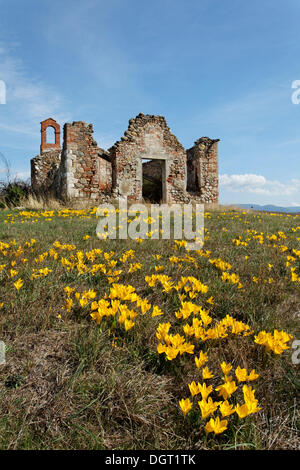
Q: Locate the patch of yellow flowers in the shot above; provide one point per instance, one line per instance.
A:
(207, 406)
(275, 342)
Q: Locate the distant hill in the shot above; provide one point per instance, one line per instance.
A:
(270, 208)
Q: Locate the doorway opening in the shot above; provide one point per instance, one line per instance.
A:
(153, 181)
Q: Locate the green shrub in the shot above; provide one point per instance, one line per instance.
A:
(13, 193)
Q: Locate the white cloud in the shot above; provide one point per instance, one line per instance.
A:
(235, 182)
(258, 184)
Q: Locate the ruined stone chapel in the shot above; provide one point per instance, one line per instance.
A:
(148, 163)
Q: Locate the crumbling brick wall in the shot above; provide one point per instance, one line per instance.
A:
(148, 136)
(202, 170)
(43, 170)
(45, 165)
(44, 144)
(84, 170)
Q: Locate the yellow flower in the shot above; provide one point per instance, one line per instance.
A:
(227, 388)
(161, 348)
(246, 409)
(69, 290)
(156, 311)
(206, 373)
(226, 368)
(185, 405)
(250, 405)
(206, 319)
(242, 410)
(144, 305)
(159, 268)
(187, 348)
(201, 360)
(207, 407)
(134, 267)
(162, 330)
(69, 304)
(167, 286)
(194, 389)
(18, 284)
(248, 393)
(241, 374)
(252, 375)
(83, 302)
(204, 390)
(226, 409)
(128, 324)
(275, 342)
(216, 425)
(171, 352)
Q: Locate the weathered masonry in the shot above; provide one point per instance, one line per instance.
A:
(147, 163)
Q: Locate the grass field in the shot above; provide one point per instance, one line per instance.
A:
(105, 338)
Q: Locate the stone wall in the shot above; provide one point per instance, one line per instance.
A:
(148, 136)
(44, 166)
(202, 170)
(85, 170)
(43, 170)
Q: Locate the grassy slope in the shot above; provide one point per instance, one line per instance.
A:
(66, 387)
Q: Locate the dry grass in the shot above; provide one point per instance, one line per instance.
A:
(41, 202)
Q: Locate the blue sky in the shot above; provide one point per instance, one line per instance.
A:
(216, 68)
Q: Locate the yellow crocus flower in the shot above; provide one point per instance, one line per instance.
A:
(194, 389)
(216, 425)
(202, 359)
(207, 407)
(204, 390)
(18, 284)
(206, 373)
(185, 405)
(241, 374)
(226, 409)
(226, 368)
